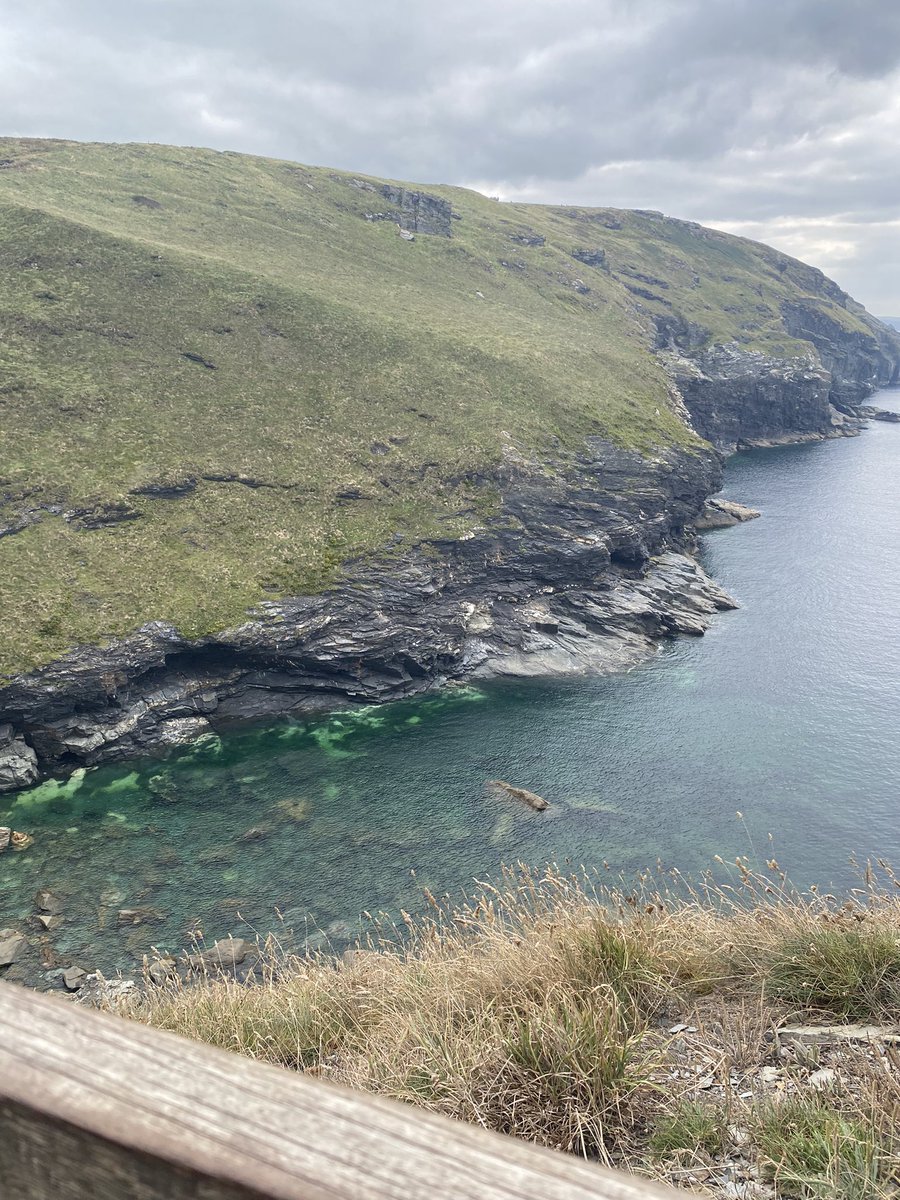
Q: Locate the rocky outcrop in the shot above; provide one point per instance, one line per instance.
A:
(18, 761)
(739, 398)
(857, 361)
(420, 212)
(719, 513)
(585, 570)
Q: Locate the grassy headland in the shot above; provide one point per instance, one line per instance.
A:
(651, 1029)
(220, 380)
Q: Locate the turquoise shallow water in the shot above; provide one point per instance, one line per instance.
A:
(787, 711)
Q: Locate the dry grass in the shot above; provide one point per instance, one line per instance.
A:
(638, 1028)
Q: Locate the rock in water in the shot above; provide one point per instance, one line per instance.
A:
(11, 946)
(73, 978)
(226, 953)
(532, 799)
(721, 514)
(5, 837)
(46, 901)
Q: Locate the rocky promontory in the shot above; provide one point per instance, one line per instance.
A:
(381, 438)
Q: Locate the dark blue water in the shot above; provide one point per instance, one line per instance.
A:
(787, 712)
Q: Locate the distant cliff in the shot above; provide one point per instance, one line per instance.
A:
(278, 437)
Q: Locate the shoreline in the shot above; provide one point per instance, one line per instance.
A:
(590, 568)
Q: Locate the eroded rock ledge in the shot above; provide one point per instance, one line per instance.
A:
(586, 570)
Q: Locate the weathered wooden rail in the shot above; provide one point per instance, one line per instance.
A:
(93, 1107)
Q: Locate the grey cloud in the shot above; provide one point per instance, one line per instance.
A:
(763, 115)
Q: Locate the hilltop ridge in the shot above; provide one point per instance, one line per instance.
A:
(242, 396)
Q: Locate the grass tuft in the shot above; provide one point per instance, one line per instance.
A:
(635, 1026)
(852, 972)
(816, 1153)
(689, 1128)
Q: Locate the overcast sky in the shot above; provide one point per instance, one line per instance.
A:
(778, 119)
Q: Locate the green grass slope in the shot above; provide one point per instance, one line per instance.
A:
(306, 383)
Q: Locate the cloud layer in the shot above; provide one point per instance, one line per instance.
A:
(778, 119)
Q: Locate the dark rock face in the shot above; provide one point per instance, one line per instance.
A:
(18, 761)
(584, 572)
(858, 362)
(739, 398)
(420, 212)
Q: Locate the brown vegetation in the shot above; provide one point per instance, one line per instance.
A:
(649, 1029)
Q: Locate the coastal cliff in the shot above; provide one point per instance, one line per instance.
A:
(473, 439)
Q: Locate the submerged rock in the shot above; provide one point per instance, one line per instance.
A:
(532, 799)
(139, 916)
(48, 902)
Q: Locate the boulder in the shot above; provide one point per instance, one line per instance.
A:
(161, 970)
(5, 837)
(721, 514)
(46, 901)
(226, 953)
(73, 978)
(12, 943)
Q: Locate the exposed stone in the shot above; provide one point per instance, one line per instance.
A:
(590, 258)
(162, 971)
(73, 978)
(834, 1034)
(21, 841)
(739, 397)
(228, 952)
(98, 992)
(419, 211)
(49, 921)
(12, 943)
(18, 760)
(722, 514)
(101, 515)
(46, 901)
(5, 837)
(527, 239)
(870, 413)
(538, 803)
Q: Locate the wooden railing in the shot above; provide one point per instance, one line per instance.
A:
(94, 1107)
